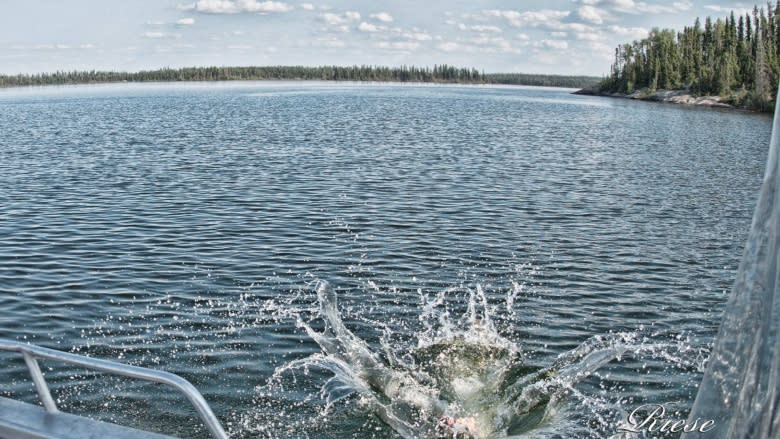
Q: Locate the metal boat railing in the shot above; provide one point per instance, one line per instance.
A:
(32, 353)
(740, 389)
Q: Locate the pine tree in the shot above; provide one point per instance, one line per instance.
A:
(762, 90)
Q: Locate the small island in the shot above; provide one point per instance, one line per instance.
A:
(732, 63)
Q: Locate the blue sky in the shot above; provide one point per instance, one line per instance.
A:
(534, 36)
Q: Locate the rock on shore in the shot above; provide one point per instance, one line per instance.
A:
(672, 96)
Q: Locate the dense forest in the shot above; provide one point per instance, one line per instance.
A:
(735, 57)
(439, 73)
(542, 80)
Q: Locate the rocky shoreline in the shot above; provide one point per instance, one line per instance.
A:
(669, 96)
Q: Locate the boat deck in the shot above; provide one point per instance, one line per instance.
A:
(19, 420)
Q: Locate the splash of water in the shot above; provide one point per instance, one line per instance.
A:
(461, 378)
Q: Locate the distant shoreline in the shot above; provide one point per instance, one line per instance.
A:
(313, 81)
(438, 74)
(292, 81)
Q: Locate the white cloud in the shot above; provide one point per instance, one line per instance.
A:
(574, 27)
(345, 22)
(185, 21)
(719, 8)
(332, 19)
(589, 36)
(399, 45)
(638, 7)
(528, 18)
(418, 36)
(449, 47)
(591, 14)
(496, 42)
(682, 6)
(554, 44)
(633, 32)
(738, 9)
(485, 44)
(382, 16)
(601, 50)
(236, 6)
(329, 42)
(307, 6)
(59, 46)
(485, 28)
(158, 35)
(559, 34)
(482, 28)
(338, 19)
(368, 27)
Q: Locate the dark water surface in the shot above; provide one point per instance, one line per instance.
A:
(154, 224)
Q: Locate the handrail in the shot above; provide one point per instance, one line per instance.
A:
(31, 353)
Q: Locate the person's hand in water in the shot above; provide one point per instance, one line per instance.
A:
(457, 428)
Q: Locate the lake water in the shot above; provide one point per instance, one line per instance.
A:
(185, 226)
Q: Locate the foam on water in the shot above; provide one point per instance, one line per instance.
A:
(458, 369)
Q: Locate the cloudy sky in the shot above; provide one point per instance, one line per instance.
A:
(534, 36)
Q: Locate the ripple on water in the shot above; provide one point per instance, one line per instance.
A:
(166, 225)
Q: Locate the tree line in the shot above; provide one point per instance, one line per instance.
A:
(438, 73)
(543, 80)
(734, 57)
